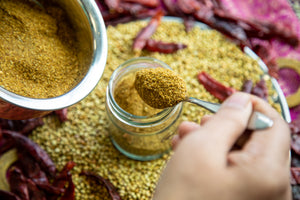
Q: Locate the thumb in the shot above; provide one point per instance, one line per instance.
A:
(230, 121)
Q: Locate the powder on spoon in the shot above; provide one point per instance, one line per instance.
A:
(160, 87)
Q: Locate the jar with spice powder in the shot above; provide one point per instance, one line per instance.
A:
(137, 130)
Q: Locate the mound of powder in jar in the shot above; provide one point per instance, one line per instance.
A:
(160, 87)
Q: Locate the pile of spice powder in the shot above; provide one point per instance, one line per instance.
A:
(127, 97)
(84, 138)
(37, 50)
(160, 88)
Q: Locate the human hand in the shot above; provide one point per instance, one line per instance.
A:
(205, 166)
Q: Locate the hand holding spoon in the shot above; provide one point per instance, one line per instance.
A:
(162, 88)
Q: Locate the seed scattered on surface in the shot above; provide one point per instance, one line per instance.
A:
(160, 87)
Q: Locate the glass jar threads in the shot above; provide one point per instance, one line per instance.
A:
(137, 130)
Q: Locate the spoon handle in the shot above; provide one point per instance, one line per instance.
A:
(257, 120)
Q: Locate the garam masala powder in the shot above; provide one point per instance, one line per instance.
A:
(128, 99)
(38, 54)
(159, 87)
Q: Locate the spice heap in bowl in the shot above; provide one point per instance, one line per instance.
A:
(48, 49)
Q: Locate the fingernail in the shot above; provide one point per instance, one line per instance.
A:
(237, 100)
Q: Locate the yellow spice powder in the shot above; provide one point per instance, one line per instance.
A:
(129, 100)
(38, 54)
(160, 87)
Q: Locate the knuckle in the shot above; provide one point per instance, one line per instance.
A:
(237, 122)
(236, 117)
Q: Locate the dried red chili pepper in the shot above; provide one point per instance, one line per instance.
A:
(228, 28)
(70, 191)
(211, 3)
(62, 178)
(214, 87)
(8, 195)
(34, 192)
(121, 20)
(148, 3)
(109, 186)
(140, 41)
(163, 47)
(258, 29)
(24, 187)
(279, 31)
(62, 114)
(31, 124)
(136, 10)
(221, 92)
(23, 126)
(101, 5)
(260, 90)
(50, 189)
(126, 12)
(189, 23)
(108, 16)
(189, 6)
(25, 144)
(113, 5)
(247, 86)
(268, 55)
(31, 169)
(64, 173)
(295, 175)
(205, 14)
(18, 183)
(170, 7)
(5, 145)
(267, 31)
(106, 13)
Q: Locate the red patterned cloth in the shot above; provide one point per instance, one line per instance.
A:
(279, 12)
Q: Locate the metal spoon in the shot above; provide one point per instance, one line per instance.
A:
(257, 120)
(168, 83)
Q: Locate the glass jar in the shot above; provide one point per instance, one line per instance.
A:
(139, 137)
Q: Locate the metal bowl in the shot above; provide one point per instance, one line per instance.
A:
(91, 33)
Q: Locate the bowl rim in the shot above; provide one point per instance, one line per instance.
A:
(87, 84)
